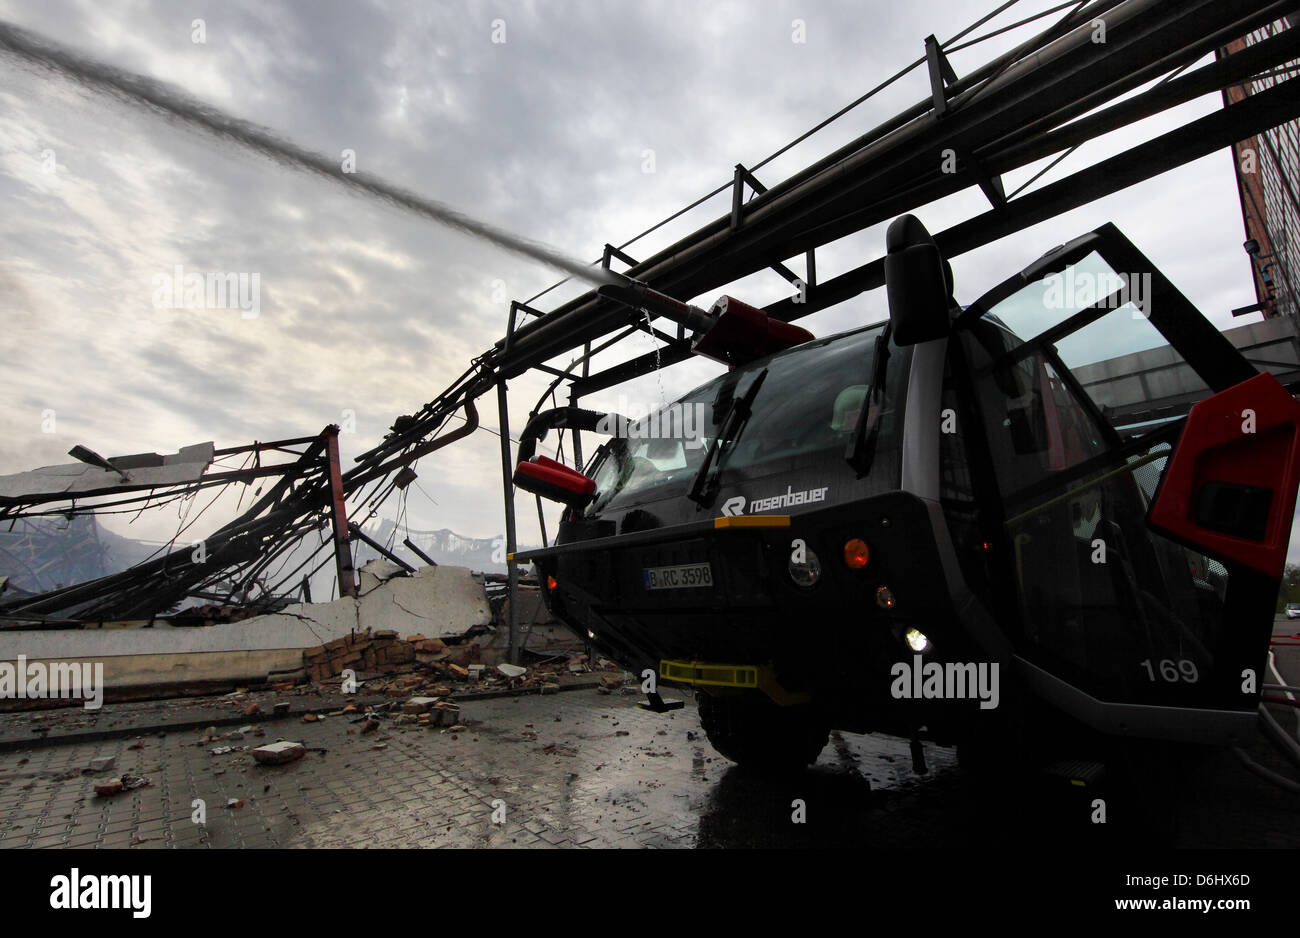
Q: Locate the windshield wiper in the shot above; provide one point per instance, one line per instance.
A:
(708, 478)
(862, 447)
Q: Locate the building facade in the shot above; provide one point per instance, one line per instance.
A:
(1268, 168)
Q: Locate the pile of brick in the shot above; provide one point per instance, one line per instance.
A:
(383, 652)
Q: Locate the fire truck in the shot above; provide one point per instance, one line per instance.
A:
(942, 526)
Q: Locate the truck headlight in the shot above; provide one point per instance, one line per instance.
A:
(808, 572)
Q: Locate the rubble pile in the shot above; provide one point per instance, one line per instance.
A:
(396, 667)
(441, 678)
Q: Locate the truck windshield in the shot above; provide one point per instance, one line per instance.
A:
(809, 402)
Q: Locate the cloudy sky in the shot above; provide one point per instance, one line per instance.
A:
(568, 122)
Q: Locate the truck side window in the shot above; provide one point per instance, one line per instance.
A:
(1036, 425)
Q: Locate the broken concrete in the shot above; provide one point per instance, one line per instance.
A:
(437, 602)
(146, 470)
(377, 572)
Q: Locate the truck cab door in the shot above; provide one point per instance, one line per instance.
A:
(1140, 550)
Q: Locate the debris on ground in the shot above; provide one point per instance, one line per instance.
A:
(445, 714)
(558, 749)
(110, 786)
(125, 782)
(611, 682)
(279, 753)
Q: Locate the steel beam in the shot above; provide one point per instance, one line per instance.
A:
(1190, 142)
(339, 516)
(831, 200)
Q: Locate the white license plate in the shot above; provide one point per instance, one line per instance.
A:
(681, 576)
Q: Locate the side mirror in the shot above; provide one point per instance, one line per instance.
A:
(918, 282)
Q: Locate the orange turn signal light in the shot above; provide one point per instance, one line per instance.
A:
(550, 583)
(856, 554)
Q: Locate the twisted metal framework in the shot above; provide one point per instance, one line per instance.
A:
(1103, 65)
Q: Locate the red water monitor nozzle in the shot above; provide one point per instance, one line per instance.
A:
(731, 332)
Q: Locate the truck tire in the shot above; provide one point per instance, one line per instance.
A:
(755, 733)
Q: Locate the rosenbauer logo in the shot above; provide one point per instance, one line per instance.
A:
(788, 499)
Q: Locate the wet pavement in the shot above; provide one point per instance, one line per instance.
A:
(578, 768)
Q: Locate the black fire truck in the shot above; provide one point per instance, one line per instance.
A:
(962, 524)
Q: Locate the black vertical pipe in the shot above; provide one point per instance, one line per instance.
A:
(508, 487)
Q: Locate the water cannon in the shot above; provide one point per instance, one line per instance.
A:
(731, 331)
(638, 295)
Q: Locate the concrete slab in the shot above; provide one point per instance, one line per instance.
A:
(438, 602)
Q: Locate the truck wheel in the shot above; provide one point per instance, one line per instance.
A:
(755, 733)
